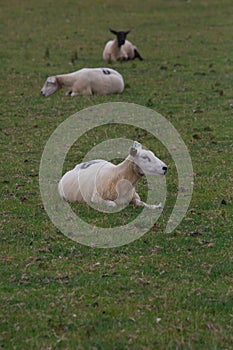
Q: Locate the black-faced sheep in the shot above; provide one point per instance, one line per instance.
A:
(120, 48)
(101, 182)
(86, 81)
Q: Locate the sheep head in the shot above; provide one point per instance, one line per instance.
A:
(50, 86)
(121, 36)
(146, 161)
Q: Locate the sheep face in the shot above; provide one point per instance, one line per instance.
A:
(148, 163)
(121, 36)
(51, 85)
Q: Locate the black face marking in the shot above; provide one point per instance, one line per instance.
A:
(106, 71)
(121, 36)
(87, 164)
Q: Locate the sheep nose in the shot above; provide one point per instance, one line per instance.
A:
(164, 169)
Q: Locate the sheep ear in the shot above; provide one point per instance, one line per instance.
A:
(52, 80)
(113, 31)
(137, 145)
(135, 148)
(133, 152)
(127, 32)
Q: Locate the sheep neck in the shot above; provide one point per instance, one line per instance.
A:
(129, 171)
(65, 80)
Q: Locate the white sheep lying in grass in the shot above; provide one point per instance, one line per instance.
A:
(101, 182)
(120, 48)
(86, 81)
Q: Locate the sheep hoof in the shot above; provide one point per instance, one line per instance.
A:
(72, 94)
(154, 206)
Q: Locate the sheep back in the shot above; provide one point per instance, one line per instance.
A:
(98, 81)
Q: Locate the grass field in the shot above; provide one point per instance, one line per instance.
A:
(163, 291)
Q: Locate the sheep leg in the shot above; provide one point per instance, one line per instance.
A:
(137, 55)
(84, 92)
(123, 59)
(68, 93)
(139, 203)
(72, 94)
(81, 87)
(97, 199)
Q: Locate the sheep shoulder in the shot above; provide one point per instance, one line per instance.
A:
(110, 52)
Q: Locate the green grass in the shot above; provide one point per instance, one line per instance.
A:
(163, 291)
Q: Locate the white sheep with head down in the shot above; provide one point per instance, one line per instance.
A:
(120, 48)
(86, 81)
(101, 182)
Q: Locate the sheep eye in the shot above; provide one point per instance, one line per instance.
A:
(146, 158)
